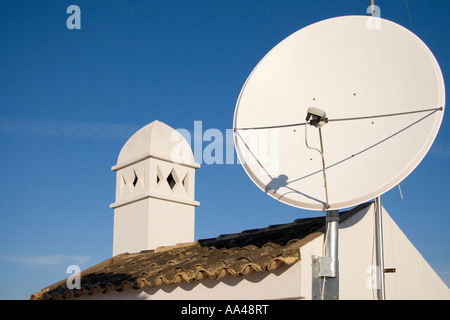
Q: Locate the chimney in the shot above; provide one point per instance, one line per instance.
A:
(155, 180)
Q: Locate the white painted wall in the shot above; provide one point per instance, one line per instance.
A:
(151, 223)
(414, 278)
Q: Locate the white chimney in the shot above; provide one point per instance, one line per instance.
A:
(155, 184)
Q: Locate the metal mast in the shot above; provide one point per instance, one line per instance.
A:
(378, 224)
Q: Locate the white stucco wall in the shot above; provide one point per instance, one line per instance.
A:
(151, 223)
(413, 279)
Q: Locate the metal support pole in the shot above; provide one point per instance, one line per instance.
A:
(380, 252)
(325, 270)
(378, 225)
(332, 237)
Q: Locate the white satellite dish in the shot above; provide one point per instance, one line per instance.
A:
(374, 98)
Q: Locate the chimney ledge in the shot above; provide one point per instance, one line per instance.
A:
(153, 155)
(154, 195)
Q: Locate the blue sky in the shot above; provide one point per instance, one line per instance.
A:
(70, 99)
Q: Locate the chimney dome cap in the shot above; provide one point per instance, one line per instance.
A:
(157, 140)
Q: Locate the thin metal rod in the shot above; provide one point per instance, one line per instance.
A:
(344, 119)
(380, 251)
(387, 115)
(372, 9)
(378, 224)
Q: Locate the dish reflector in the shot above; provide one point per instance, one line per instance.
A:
(379, 96)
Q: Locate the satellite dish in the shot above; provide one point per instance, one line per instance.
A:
(338, 113)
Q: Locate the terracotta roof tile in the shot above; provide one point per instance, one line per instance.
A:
(258, 250)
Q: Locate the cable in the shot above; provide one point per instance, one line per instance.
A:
(326, 206)
(323, 287)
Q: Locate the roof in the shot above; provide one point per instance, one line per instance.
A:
(259, 250)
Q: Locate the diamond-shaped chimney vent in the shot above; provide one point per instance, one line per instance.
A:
(135, 180)
(171, 181)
